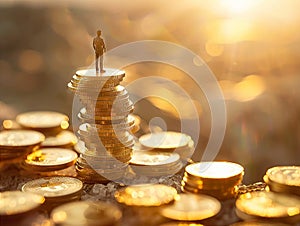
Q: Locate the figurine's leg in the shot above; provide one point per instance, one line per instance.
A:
(101, 63)
(97, 62)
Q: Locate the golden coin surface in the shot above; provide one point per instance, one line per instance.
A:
(86, 213)
(181, 224)
(287, 175)
(190, 207)
(62, 139)
(214, 170)
(17, 202)
(146, 195)
(51, 157)
(92, 73)
(42, 119)
(269, 204)
(52, 187)
(20, 138)
(149, 158)
(258, 223)
(164, 140)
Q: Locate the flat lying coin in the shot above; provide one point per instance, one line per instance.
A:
(189, 207)
(146, 195)
(41, 119)
(258, 223)
(20, 138)
(149, 158)
(17, 202)
(86, 213)
(165, 140)
(54, 158)
(53, 187)
(269, 204)
(64, 138)
(287, 175)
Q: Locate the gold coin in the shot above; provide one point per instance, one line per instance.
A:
(287, 175)
(42, 119)
(146, 195)
(91, 73)
(149, 158)
(86, 213)
(215, 170)
(20, 138)
(17, 202)
(189, 207)
(51, 158)
(269, 204)
(258, 223)
(181, 224)
(64, 138)
(165, 140)
(54, 187)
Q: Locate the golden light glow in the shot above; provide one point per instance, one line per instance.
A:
(249, 88)
(214, 49)
(64, 124)
(31, 61)
(7, 124)
(238, 6)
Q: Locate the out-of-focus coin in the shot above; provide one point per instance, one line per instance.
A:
(150, 158)
(20, 138)
(42, 119)
(190, 207)
(63, 139)
(287, 175)
(146, 195)
(86, 213)
(51, 158)
(17, 202)
(54, 187)
(214, 170)
(269, 204)
(181, 224)
(165, 140)
(91, 73)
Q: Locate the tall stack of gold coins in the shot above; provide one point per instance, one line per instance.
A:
(106, 125)
(284, 179)
(218, 179)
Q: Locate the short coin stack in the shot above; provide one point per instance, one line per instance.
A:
(218, 179)
(270, 206)
(16, 144)
(284, 179)
(169, 141)
(155, 164)
(106, 125)
(56, 190)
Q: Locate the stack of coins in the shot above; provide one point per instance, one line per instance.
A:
(14, 205)
(106, 125)
(87, 213)
(191, 207)
(49, 159)
(155, 164)
(283, 179)
(47, 122)
(16, 144)
(169, 141)
(218, 179)
(56, 190)
(271, 206)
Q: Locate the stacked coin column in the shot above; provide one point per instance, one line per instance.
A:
(106, 125)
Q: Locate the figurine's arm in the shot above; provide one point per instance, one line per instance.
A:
(94, 44)
(104, 47)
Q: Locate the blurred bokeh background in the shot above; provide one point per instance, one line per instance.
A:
(251, 46)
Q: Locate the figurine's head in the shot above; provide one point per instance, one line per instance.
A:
(98, 32)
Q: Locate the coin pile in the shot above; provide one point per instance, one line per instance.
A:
(283, 179)
(155, 164)
(49, 159)
(169, 141)
(87, 213)
(16, 204)
(16, 144)
(192, 207)
(49, 123)
(106, 125)
(218, 179)
(271, 206)
(55, 190)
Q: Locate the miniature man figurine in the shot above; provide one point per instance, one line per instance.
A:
(99, 47)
